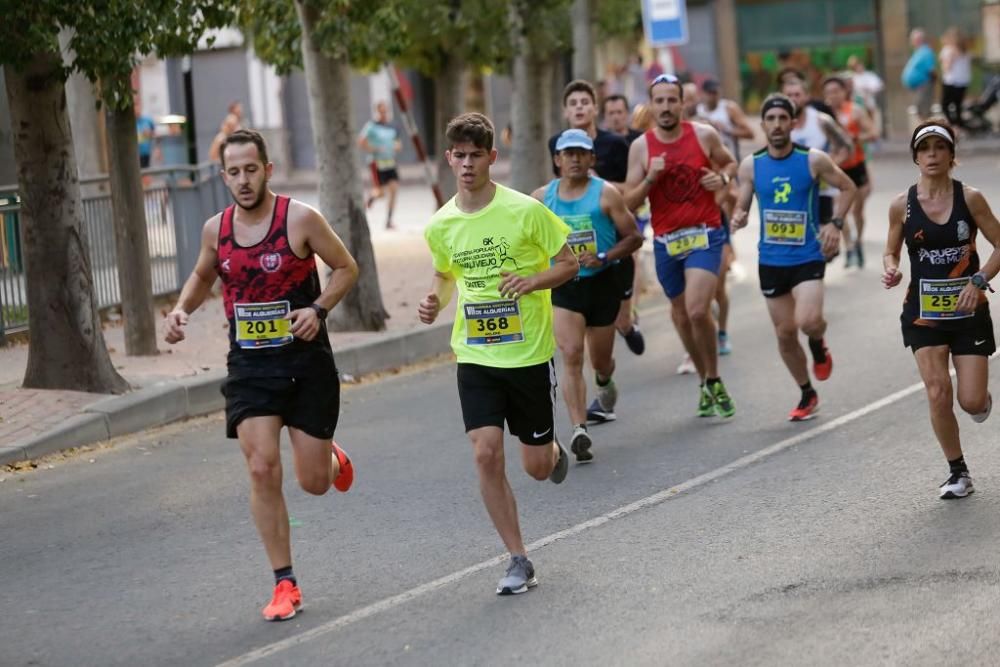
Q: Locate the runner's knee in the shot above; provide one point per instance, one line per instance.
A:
(939, 395)
(316, 483)
(265, 469)
(972, 403)
(489, 459)
(537, 464)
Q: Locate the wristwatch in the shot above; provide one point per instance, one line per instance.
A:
(725, 177)
(979, 281)
(602, 257)
(837, 222)
(648, 180)
(321, 312)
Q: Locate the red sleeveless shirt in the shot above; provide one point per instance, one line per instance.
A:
(676, 199)
(264, 273)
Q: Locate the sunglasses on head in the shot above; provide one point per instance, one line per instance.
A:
(665, 78)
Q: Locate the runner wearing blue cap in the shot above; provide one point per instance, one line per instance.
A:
(603, 232)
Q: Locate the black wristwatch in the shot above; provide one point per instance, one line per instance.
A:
(979, 281)
(602, 257)
(321, 312)
(837, 222)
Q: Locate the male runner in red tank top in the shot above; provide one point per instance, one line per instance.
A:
(679, 165)
(281, 367)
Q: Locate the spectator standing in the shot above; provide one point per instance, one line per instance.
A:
(145, 130)
(956, 74)
(918, 74)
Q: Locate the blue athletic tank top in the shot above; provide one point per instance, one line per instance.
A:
(788, 197)
(590, 228)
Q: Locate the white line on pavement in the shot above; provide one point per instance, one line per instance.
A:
(649, 501)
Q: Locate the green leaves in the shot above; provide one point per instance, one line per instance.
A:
(363, 32)
(110, 37)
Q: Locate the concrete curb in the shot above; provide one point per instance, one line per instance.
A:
(173, 400)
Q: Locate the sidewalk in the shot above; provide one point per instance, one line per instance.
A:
(183, 380)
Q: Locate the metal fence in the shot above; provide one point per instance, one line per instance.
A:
(178, 200)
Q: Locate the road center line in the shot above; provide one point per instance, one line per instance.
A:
(623, 511)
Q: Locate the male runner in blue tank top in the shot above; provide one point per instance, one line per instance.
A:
(281, 370)
(794, 241)
(603, 232)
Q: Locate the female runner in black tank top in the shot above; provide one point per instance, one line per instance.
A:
(946, 315)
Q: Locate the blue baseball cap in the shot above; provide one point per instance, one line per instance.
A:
(574, 139)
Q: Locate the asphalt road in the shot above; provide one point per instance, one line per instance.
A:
(752, 541)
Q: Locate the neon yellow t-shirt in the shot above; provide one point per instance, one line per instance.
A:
(513, 233)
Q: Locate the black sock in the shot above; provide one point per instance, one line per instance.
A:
(722, 333)
(583, 426)
(807, 389)
(958, 465)
(817, 349)
(284, 573)
(711, 382)
(601, 383)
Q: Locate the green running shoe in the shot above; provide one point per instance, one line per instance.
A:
(706, 405)
(723, 403)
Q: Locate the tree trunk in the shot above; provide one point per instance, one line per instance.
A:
(555, 91)
(66, 349)
(328, 81)
(583, 42)
(128, 209)
(84, 118)
(449, 93)
(531, 77)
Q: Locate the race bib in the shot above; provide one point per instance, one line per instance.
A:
(261, 325)
(493, 323)
(785, 227)
(382, 164)
(686, 240)
(583, 241)
(938, 298)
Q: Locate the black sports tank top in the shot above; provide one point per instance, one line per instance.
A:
(942, 258)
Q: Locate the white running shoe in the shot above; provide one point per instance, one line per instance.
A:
(959, 485)
(985, 414)
(686, 367)
(580, 445)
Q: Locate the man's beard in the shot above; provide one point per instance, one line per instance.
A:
(663, 122)
(256, 202)
(780, 141)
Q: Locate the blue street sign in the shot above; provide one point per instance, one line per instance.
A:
(665, 22)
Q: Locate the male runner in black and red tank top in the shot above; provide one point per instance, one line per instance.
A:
(281, 367)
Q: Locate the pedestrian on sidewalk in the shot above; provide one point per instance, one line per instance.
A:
(505, 251)
(380, 139)
(919, 73)
(281, 366)
(956, 74)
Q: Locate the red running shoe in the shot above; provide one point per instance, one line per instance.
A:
(823, 370)
(805, 410)
(286, 602)
(345, 478)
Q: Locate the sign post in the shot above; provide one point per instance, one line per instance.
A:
(665, 22)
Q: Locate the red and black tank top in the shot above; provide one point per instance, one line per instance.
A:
(676, 199)
(261, 284)
(942, 259)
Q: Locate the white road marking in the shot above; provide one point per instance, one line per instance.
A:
(649, 501)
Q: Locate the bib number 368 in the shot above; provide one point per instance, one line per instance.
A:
(493, 323)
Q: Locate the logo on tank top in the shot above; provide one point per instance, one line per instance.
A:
(270, 261)
(680, 183)
(781, 194)
(963, 230)
(225, 265)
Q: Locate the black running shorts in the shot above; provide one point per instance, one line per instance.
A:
(858, 173)
(310, 404)
(777, 281)
(825, 209)
(387, 175)
(977, 340)
(625, 271)
(596, 297)
(523, 397)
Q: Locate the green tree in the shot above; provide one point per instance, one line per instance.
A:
(539, 33)
(326, 38)
(66, 349)
(109, 38)
(443, 39)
